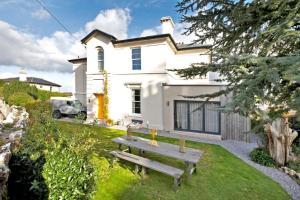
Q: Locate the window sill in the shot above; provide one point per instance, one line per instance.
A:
(135, 115)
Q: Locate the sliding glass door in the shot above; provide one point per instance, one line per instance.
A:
(197, 116)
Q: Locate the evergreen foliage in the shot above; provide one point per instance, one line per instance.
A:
(262, 157)
(256, 50)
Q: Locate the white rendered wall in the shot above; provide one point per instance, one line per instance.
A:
(47, 87)
(94, 78)
(151, 98)
(79, 76)
(156, 58)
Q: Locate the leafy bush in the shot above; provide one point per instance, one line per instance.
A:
(39, 111)
(296, 150)
(1, 91)
(44, 95)
(260, 156)
(20, 99)
(21, 87)
(57, 163)
(295, 165)
(2, 83)
(26, 176)
(16, 87)
(68, 175)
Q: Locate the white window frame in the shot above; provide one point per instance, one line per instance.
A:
(134, 59)
(133, 101)
(100, 50)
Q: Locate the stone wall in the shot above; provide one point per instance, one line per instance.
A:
(13, 119)
(5, 154)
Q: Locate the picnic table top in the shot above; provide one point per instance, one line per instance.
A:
(170, 150)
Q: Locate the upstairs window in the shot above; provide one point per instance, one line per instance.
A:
(136, 101)
(136, 58)
(100, 59)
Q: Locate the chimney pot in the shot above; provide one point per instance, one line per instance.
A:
(23, 75)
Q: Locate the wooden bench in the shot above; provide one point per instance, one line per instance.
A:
(150, 164)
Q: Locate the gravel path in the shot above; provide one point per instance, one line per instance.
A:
(242, 150)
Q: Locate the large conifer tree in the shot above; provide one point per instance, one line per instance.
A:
(256, 47)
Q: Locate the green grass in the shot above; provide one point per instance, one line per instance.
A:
(220, 175)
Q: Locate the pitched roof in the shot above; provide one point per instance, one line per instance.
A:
(116, 41)
(86, 38)
(32, 80)
(78, 60)
(192, 46)
(179, 47)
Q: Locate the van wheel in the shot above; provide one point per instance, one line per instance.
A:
(56, 114)
(82, 115)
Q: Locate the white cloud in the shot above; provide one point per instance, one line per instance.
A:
(41, 14)
(45, 54)
(112, 21)
(151, 31)
(178, 33)
(23, 49)
(6, 75)
(47, 57)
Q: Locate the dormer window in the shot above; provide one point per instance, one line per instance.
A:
(100, 59)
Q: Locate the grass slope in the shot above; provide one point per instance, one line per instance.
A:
(220, 174)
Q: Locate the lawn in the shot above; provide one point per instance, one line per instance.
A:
(220, 175)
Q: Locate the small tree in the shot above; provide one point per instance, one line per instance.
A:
(256, 51)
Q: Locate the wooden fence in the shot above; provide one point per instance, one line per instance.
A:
(233, 125)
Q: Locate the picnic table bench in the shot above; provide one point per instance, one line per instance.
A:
(190, 156)
(147, 163)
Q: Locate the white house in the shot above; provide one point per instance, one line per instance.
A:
(40, 83)
(141, 87)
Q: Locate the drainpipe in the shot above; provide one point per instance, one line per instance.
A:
(163, 105)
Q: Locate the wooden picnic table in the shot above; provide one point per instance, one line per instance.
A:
(190, 156)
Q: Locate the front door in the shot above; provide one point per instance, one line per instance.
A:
(100, 106)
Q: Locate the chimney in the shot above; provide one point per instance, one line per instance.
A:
(167, 25)
(22, 75)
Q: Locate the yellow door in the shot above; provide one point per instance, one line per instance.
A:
(100, 106)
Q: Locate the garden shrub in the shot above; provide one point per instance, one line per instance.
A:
(16, 87)
(20, 99)
(36, 107)
(21, 87)
(296, 149)
(295, 165)
(68, 175)
(44, 95)
(260, 156)
(25, 180)
(56, 164)
(2, 83)
(1, 91)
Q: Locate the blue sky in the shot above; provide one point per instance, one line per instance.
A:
(31, 38)
(75, 13)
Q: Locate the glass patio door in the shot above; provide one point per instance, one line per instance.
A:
(197, 116)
